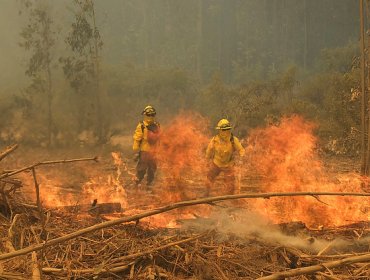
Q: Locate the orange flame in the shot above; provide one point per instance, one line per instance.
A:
(103, 187)
(286, 157)
(181, 154)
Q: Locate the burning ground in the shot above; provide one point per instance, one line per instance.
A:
(91, 223)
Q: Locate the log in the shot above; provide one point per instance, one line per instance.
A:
(315, 268)
(159, 210)
(99, 208)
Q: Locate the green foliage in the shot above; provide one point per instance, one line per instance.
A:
(82, 69)
(332, 98)
(85, 43)
(212, 99)
(38, 38)
(340, 59)
(250, 104)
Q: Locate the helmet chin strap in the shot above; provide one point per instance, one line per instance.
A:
(148, 119)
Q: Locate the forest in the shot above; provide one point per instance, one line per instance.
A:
(84, 70)
(250, 160)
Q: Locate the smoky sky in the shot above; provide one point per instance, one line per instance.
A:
(170, 32)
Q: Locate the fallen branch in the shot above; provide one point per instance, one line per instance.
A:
(159, 210)
(94, 271)
(11, 173)
(98, 208)
(8, 150)
(315, 268)
(12, 276)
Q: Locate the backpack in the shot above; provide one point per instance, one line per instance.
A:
(153, 132)
(232, 141)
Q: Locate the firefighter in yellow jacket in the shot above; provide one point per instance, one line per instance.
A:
(221, 151)
(146, 137)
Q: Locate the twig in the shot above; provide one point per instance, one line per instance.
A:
(8, 150)
(94, 271)
(38, 202)
(136, 255)
(29, 206)
(36, 275)
(362, 268)
(219, 270)
(319, 200)
(12, 276)
(331, 277)
(326, 248)
(11, 173)
(159, 210)
(9, 240)
(315, 268)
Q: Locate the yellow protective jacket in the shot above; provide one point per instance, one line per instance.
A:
(221, 151)
(141, 137)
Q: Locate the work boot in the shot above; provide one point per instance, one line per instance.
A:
(149, 186)
(137, 183)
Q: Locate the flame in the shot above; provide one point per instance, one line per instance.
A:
(181, 155)
(103, 187)
(107, 189)
(52, 194)
(285, 156)
(182, 163)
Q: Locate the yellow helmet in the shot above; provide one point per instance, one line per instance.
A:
(149, 111)
(223, 124)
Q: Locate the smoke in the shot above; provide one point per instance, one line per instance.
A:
(251, 226)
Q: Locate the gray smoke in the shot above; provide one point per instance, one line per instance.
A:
(251, 226)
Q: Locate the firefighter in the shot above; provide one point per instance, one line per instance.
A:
(221, 152)
(146, 138)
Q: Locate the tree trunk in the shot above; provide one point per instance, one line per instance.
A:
(50, 99)
(98, 102)
(47, 43)
(145, 33)
(364, 169)
(227, 51)
(199, 40)
(305, 35)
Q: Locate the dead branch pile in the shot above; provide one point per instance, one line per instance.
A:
(39, 243)
(132, 251)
